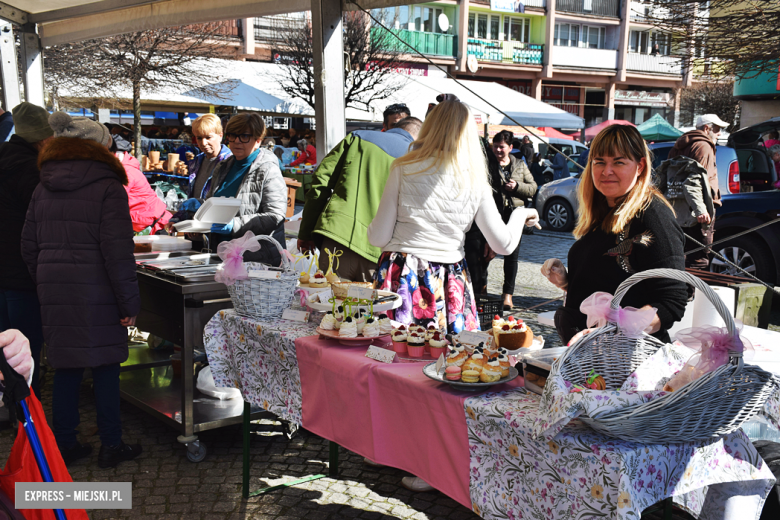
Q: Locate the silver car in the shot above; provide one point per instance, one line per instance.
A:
(557, 203)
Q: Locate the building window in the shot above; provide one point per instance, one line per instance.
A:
(593, 37)
(638, 41)
(517, 29)
(567, 35)
(488, 26)
(664, 42)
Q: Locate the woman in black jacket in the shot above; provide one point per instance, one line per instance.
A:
(77, 243)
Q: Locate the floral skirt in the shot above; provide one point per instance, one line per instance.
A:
(430, 292)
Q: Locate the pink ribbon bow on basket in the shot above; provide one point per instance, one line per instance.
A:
(232, 255)
(630, 320)
(714, 345)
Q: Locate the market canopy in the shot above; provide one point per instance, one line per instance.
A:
(552, 132)
(417, 91)
(658, 129)
(593, 131)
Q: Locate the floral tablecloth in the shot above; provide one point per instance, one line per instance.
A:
(259, 359)
(583, 474)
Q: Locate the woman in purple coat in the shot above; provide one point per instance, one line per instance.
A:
(77, 242)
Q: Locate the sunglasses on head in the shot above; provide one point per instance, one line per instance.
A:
(397, 107)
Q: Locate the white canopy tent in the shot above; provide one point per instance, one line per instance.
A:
(51, 22)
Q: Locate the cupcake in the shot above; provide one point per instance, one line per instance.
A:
(437, 344)
(328, 321)
(318, 281)
(348, 329)
(385, 325)
(429, 334)
(415, 344)
(371, 328)
(398, 336)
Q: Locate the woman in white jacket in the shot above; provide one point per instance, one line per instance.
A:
(432, 196)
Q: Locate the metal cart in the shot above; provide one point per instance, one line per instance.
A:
(177, 300)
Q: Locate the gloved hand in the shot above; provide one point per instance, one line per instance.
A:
(222, 229)
(554, 270)
(190, 205)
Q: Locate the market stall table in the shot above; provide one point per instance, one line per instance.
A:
(466, 445)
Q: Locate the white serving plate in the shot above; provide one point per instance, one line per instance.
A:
(314, 303)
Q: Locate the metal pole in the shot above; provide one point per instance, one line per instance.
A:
(12, 94)
(245, 479)
(328, 54)
(32, 69)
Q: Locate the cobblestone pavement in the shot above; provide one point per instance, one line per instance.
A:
(167, 486)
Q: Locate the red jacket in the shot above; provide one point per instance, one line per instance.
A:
(309, 155)
(145, 206)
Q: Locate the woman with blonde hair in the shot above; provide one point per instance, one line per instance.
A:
(432, 196)
(625, 226)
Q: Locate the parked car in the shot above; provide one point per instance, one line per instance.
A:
(757, 172)
(757, 252)
(557, 201)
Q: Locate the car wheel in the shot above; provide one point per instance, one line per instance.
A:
(547, 178)
(750, 254)
(559, 215)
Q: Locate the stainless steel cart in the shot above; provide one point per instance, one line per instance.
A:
(177, 309)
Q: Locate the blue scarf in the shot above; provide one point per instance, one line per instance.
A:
(233, 179)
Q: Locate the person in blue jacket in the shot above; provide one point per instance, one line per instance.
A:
(560, 166)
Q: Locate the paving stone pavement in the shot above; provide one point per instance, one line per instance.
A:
(167, 486)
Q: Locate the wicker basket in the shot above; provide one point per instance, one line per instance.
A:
(714, 405)
(341, 289)
(265, 298)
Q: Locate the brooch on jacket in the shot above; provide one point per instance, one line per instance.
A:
(625, 246)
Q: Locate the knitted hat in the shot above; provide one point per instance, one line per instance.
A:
(31, 122)
(81, 127)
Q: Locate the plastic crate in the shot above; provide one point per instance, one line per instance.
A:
(487, 307)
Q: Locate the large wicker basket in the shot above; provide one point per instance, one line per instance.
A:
(714, 405)
(265, 298)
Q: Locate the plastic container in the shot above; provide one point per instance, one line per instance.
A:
(537, 365)
(216, 210)
(161, 243)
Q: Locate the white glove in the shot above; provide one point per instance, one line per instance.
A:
(554, 270)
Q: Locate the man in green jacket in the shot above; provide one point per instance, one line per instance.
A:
(345, 195)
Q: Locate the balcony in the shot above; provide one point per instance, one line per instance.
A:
(534, 3)
(430, 44)
(584, 58)
(595, 7)
(506, 51)
(656, 64)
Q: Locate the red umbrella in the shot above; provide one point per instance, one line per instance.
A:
(591, 132)
(552, 132)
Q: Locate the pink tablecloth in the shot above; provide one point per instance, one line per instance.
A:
(390, 413)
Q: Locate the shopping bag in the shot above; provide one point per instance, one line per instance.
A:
(22, 467)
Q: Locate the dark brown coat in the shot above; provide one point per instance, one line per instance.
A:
(78, 245)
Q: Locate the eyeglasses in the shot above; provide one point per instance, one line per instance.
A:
(242, 138)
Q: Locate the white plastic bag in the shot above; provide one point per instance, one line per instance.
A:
(171, 200)
(206, 385)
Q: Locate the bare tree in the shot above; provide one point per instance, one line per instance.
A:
(145, 61)
(709, 97)
(737, 38)
(371, 55)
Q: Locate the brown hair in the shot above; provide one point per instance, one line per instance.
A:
(615, 141)
(247, 123)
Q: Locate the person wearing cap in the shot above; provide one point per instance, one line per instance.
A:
(699, 145)
(19, 306)
(77, 242)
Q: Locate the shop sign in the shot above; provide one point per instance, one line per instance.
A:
(572, 109)
(408, 69)
(283, 58)
(507, 6)
(640, 98)
(560, 94)
(478, 119)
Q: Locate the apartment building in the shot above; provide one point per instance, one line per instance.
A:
(599, 59)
